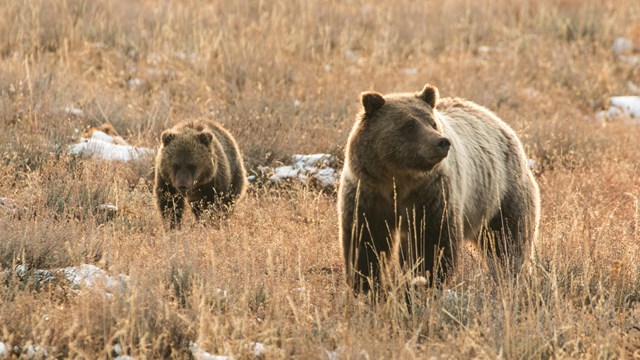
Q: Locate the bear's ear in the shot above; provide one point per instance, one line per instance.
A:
(429, 94)
(205, 138)
(372, 102)
(167, 137)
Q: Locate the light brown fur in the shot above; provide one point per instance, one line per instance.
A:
(404, 190)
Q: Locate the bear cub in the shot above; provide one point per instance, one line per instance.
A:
(421, 175)
(200, 163)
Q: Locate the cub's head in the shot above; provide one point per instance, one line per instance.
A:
(397, 134)
(187, 158)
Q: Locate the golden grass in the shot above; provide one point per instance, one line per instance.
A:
(546, 70)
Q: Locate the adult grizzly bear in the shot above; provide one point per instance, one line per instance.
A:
(420, 175)
(198, 161)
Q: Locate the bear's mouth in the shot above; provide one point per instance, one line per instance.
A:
(428, 164)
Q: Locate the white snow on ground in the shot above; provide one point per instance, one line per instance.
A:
(331, 355)
(259, 351)
(622, 46)
(106, 147)
(74, 111)
(107, 207)
(626, 51)
(307, 167)
(87, 275)
(200, 354)
(626, 108)
(83, 276)
(27, 352)
(628, 104)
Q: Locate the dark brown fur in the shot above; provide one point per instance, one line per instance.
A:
(200, 162)
(421, 174)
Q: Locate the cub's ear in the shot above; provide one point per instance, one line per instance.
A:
(371, 101)
(167, 137)
(205, 138)
(430, 95)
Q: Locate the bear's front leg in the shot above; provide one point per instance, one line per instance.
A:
(429, 243)
(366, 239)
(207, 200)
(170, 203)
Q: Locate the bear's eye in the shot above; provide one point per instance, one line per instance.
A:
(410, 127)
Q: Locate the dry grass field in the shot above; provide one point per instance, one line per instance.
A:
(285, 77)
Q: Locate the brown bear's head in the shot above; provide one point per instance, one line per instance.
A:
(187, 158)
(397, 135)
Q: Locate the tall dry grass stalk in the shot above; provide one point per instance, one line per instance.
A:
(284, 77)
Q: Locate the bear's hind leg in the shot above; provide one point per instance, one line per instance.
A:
(510, 233)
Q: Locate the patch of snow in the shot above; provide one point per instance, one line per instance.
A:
(284, 172)
(609, 114)
(622, 46)
(180, 55)
(331, 355)
(135, 83)
(107, 207)
(483, 49)
(252, 178)
(450, 294)
(123, 357)
(74, 111)
(221, 293)
(157, 73)
(117, 349)
(314, 166)
(154, 58)
(629, 104)
(532, 164)
(626, 108)
(409, 71)
(106, 147)
(259, 349)
(633, 60)
(200, 354)
(327, 176)
(3, 349)
(351, 55)
(87, 275)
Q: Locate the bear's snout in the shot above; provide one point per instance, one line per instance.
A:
(183, 181)
(443, 146)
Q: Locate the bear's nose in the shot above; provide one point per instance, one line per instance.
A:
(444, 144)
(183, 188)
